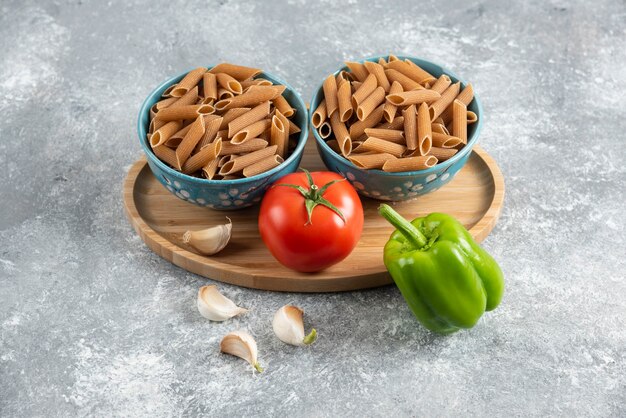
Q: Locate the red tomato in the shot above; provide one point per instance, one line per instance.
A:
(304, 244)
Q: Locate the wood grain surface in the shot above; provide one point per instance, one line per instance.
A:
(474, 197)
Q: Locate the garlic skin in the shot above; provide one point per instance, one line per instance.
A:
(215, 306)
(211, 240)
(289, 327)
(242, 345)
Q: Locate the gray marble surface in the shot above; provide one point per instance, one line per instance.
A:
(94, 323)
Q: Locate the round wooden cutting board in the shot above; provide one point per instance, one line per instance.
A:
(474, 197)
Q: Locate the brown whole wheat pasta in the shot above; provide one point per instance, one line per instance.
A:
(211, 128)
(210, 169)
(370, 161)
(379, 72)
(251, 131)
(238, 72)
(239, 163)
(165, 154)
(367, 106)
(465, 96)
(229, 83)
(344, 94)
(259, 112)
(424, 129)
(253, 96)
(279, 133)
(437, 107)
(382, 146)
(177, 138)
(188, 82)
(232, 114)
(203, 157)
(162, 134)
(250, 145)
(407, 83)
(364, 90)
(263, 165)
(341, 134)
(319, 116)
(392, 135)
(358, 70)
(416, 97)
(410, 164)
(442, 154)
(358, 128)
(325, 130)
(441, 84)
(209, 86)
(281, 104)
(459, 120)
(445, 141)
(390, 109)
(410, 127)
(330, 94)
(189, 142)
(172, 113)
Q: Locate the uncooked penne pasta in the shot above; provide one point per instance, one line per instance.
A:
(330, 95)
(189, 142)
(238, 72)
(210, 169)
(442, 154)
(459, 120)
(229, 83)
(358, 128)
(413, 72)
(153, 111)
(188, 82)
(343, 99)
(465, 96)
(392, 135)
(209, 85)
(410, 127)
(260, 111)
(390, 109)
(358, 70)
(266, 164)
(319, 116)
(172, 113)
(367, 106)
(161, 135)
(441, 84)
(255, 82)
(428, 79)
(253, 96)
(324, 130)
(239, 163)
(251, 131)
(281, 104)
(407, 83)
(232, 114)
(162, 104)
(364, 90)
(224, 94)
(203, 157)
(226, 158)
(471, 117)
(168, 91)
(416, 97)
(279, 133)
(370, 161)
(410, 164)
(437, 107)
(250, 145)
(211, 128)
(396, 123)
(341, 134)
(379, 72)
(177, 138)
(165, 154)
(382, 61)
(424, 130)
(382, 146)
(441, 140)
(439, 128)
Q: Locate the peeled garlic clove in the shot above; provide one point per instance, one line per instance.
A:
(215, 306)
(289, 328)
(242, 345)
(211, 240)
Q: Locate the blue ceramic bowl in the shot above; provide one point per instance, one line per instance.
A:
(221, 194)
(406, 185)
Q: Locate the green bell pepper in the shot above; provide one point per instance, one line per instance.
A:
(447, 279)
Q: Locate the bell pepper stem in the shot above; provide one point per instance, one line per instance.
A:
(406, 228)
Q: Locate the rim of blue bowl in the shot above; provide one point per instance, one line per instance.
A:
(444, 165)
(142, 133)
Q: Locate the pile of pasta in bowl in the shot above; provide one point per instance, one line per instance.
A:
(394, 116)
(222, 123)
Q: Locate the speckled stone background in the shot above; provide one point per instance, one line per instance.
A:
(94, 323)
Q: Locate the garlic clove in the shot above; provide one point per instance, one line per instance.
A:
(289, 328)
(242, 345)
(211, 240)
(215, 306)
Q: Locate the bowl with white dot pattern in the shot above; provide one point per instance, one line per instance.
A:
(222, 194)
(407, 185)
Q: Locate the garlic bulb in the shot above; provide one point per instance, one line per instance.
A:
(211, 240)
(242, 345)
(289, 328)
(215, 306)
